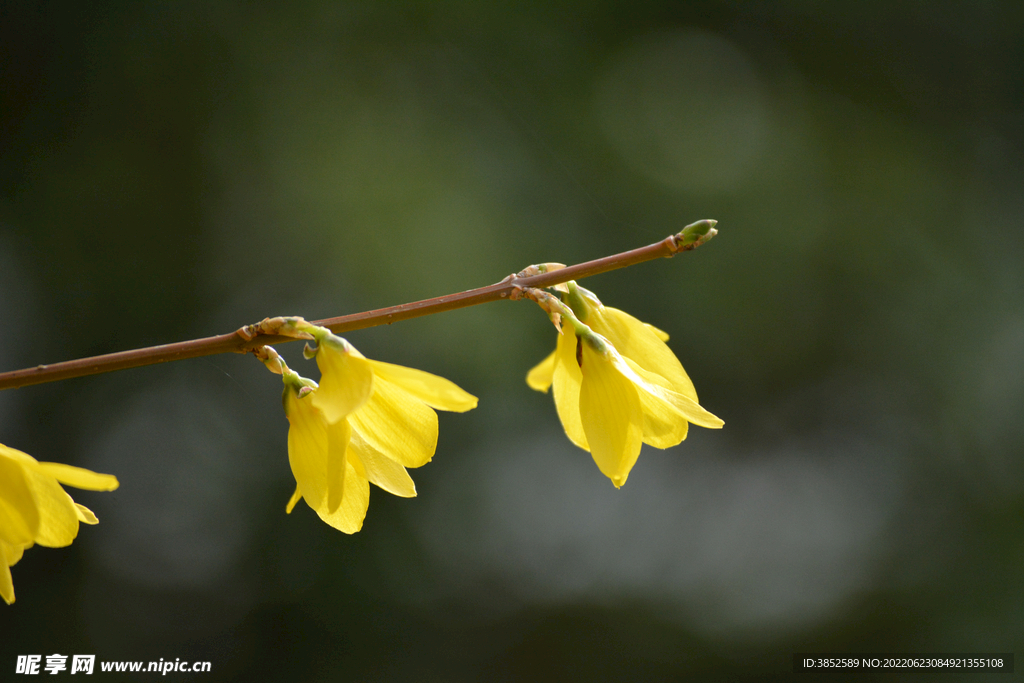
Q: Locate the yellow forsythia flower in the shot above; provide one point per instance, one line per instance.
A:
(35, 509)
(366, 422)
(617, 385)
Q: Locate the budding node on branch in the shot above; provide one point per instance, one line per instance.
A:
(694, 235)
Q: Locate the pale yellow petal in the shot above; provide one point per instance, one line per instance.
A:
(436, 392)
(346, 382)
(638, 342)
(19, 518)
(307, 447)
(611, 415)
(354, 501)
(687, 407)
(293, 501)
(664, 425)
(566, 383)
(78, 477)
(397, 424)
(86, 515)
(379, 469)
(58, 516)
(540, 377)
(337, 445)
(693, 411)
(6, 582)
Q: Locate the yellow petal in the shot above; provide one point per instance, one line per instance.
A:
(638, 342)
(354, 501)
(566, 382)
(662, 334)
(293, 501)
(690, 409)
(337, 444)
(687, 407)
(58, 516)
(611, 415)
(14, 552)
(379, 469)
(436, 392)
(539, 378)
(49, 514)
(78, 477)
(397, 424)
(19, 518)
(17, 456)
(85, 514)
(346, 382)
(693, 410)
(664, 425)
(307, 447)
(6, 582)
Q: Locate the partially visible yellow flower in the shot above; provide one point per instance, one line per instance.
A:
(617, 385)
(366, 422)
(35, 509)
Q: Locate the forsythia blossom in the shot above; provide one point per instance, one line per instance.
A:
(35, 509)
(616, 383)
(364, 423)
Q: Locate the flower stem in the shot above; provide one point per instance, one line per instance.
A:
(245, 340)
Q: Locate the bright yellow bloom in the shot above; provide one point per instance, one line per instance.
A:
(35, 509)
(617, 385)
(366, 422)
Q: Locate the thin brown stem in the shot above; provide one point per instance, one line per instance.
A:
(237, 342)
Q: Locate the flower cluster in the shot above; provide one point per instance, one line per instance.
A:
(616, 383)
(365, 422)
(34, 509)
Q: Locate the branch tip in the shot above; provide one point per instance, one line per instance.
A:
(694, 235)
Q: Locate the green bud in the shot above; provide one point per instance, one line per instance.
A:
(596, 342)
(577, 301)
(696, 234)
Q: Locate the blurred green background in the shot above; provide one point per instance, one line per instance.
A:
(175, 170)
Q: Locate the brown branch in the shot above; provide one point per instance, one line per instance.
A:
(689, 238)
